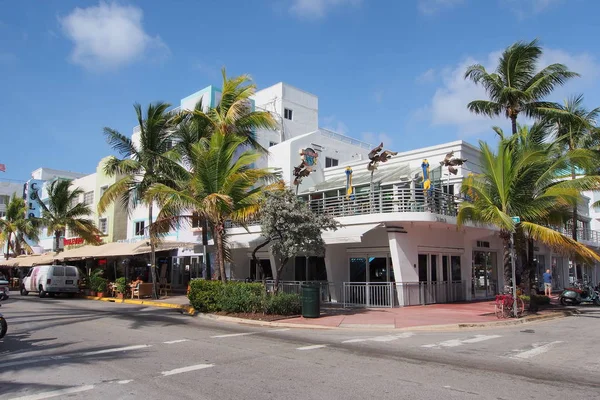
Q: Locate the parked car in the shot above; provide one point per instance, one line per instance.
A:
(51, 280)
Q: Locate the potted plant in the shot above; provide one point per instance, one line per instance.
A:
(121, 287)
(101, 288)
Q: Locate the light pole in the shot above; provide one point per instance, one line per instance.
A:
(516, 220)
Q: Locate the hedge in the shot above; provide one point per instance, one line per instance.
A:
(240, 297)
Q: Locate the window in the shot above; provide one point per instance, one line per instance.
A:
(331, 162)
(70, 271)
(196, 223)
(2, 214)
(103, 225)
(288, 114)
(74, 202)
(103, 189)
(58, 271)
(140, 228)
(271, 144)
(4, 199)
(88, 198)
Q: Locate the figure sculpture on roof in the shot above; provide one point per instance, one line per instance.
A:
(309, 161)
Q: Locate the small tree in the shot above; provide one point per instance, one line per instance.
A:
(291, 228)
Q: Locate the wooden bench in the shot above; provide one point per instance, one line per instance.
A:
(142, 290)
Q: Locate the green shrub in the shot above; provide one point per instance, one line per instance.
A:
(283, 304)
(121, 285)
(98, 283)
(240, 297)
(204, 295)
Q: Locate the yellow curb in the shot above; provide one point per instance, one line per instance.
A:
(432, 328)
(187, 309)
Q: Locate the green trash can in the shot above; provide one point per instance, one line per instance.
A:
(311, 301)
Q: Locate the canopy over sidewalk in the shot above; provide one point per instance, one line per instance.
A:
(89, 251)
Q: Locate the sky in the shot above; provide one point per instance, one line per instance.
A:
(383, 70)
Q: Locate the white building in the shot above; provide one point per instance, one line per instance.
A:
(297, 114)
(400, 245)
(7, 189)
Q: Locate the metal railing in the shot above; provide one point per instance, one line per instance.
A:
(391, 294)
(387, 201)
(587, 235)
(345, 139)
(327, 288)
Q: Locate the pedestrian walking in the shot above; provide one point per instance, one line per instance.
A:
(547, 283)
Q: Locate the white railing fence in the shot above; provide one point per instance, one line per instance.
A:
(390, 294)
(327, 288)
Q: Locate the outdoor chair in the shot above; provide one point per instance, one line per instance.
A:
(142, 290)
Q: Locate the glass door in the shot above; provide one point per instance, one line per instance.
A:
(484, 271)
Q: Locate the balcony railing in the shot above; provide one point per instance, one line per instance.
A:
(586, 235)
(390, 200)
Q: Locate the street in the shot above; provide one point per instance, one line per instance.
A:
(80, 349)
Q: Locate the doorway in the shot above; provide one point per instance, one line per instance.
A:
(484, 275)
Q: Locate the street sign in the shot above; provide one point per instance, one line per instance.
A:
(516, 220)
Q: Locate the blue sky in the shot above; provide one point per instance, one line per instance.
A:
(383, 70)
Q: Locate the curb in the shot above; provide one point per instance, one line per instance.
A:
(152, 303)
(431, 328)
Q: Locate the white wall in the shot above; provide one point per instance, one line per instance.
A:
(46, 174)
(7, 189)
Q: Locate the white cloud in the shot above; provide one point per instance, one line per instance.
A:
(448, 106)
(428, 76)
(109, 36)
(333, 124)
(376, 138)
(429, 7)
(526, 8)
(378, 96)
(317, 9)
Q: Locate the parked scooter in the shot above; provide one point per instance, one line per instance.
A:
(3, 324)
(577, 295)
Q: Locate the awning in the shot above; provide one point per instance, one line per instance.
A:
(78, 253)
(348, 234)
(143, 247)
(383, 175)
(34, 259)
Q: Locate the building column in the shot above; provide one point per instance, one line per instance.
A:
(466, 268)
(337, 267)
(404, 257)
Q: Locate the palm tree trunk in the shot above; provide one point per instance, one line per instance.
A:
(219, 229)
(57, 240)
(506, 257)
(8, 246)
(152, 252)
(575, 211)
(513, 121)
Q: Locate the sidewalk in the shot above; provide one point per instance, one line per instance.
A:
(178, 302)
(416, 316)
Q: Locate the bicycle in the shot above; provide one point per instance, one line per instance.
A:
(504, 307)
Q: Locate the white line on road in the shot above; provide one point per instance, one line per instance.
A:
(537, 350)
(55, 393)
(176, 341)
(386, 338)
(115, 350)
(186, 369)
(460, 342)
(234, 335)
(125, 382)
(279, 330)
(313, 347)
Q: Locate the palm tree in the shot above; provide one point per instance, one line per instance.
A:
(15, 228)
(519, 180)
(142, 165)
(234, 114)
(64, 211)
(220, 186)
(575, 131)
(516, 86)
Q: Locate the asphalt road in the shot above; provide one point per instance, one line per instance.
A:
(81, 349)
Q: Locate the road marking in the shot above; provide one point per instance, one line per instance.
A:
(125, 382)
(176, 341)
(55, 393)
(186, 369)
(115, 350)
(234, 335)
(313, 347)
(460, 342)
(279, 330)
(386, 338)
(536, 351)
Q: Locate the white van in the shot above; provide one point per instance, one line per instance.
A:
(51, 279)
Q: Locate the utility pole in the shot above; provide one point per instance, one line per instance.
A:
(516, 220)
